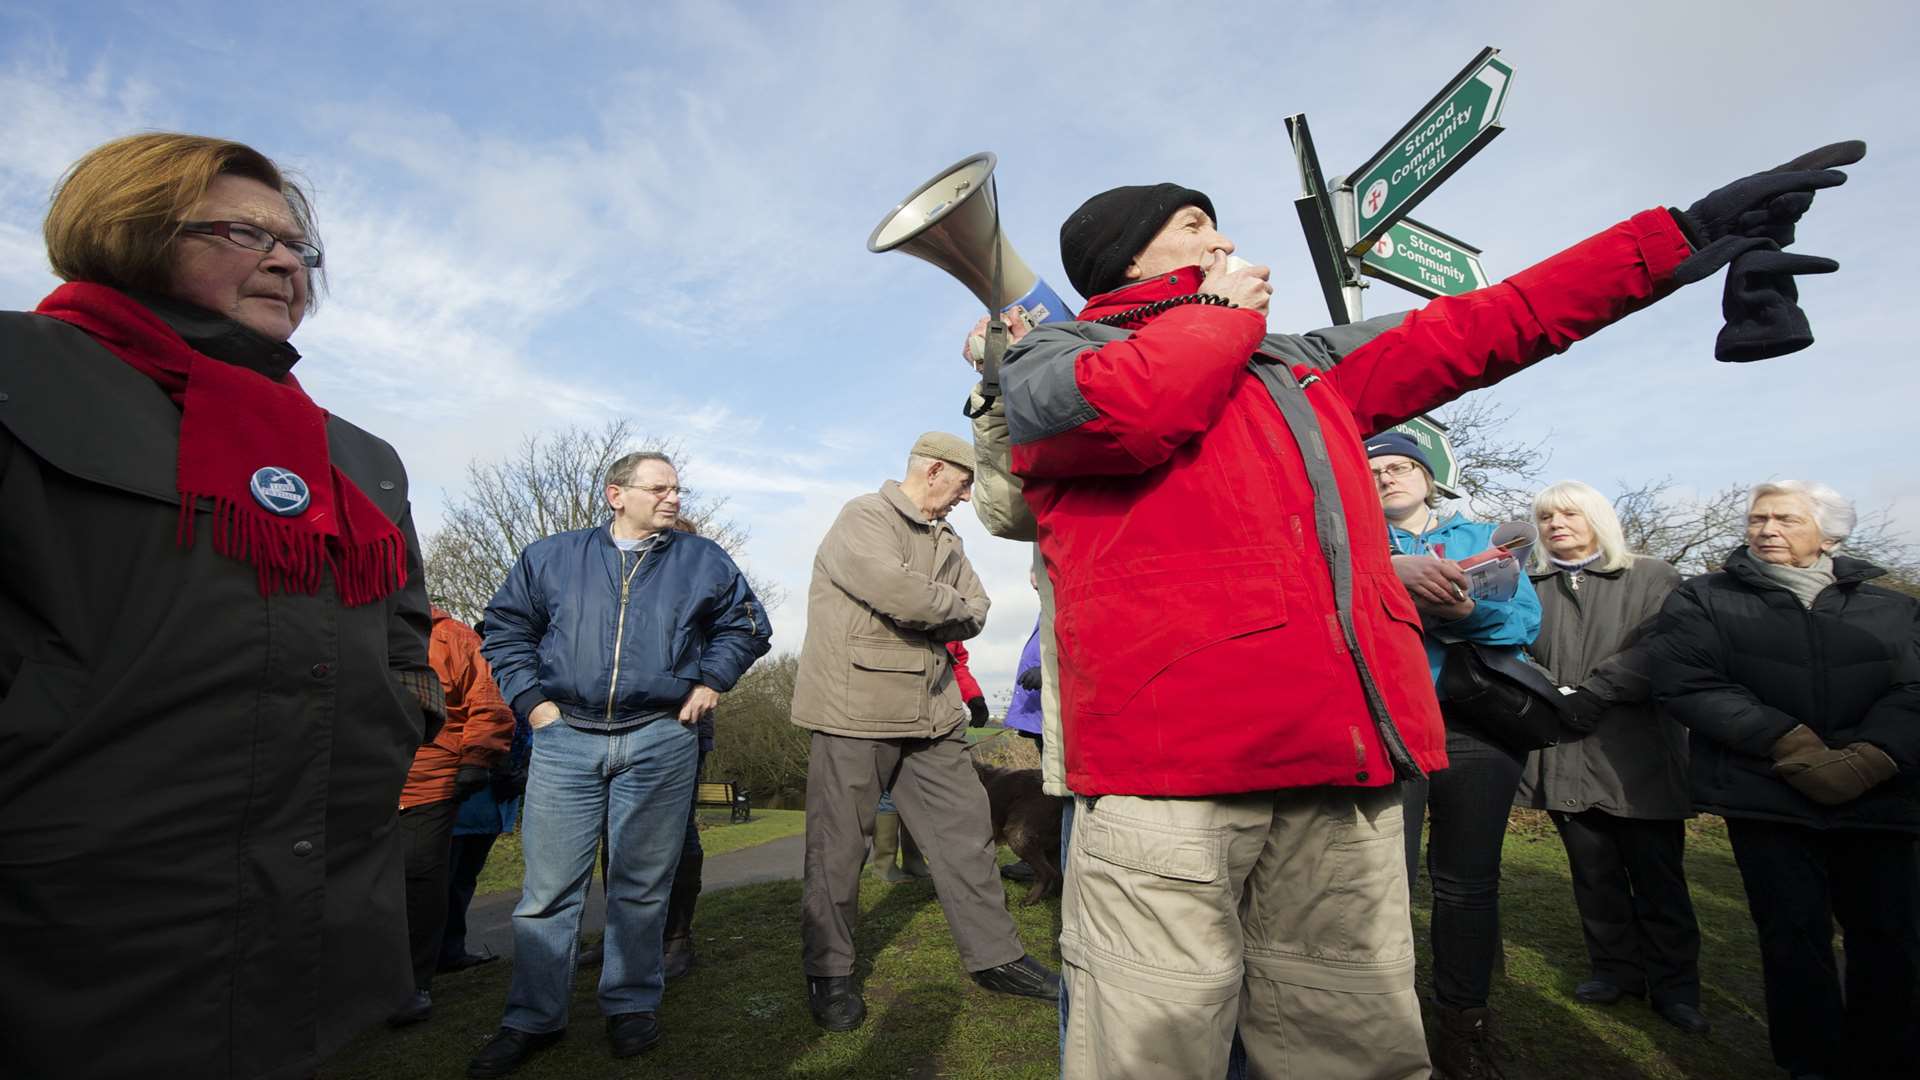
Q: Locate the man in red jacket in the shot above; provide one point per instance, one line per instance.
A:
(457, 763)
(1242, 677)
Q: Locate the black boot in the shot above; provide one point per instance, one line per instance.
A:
(835, 1002)
(679, 956)
(1464, 1048)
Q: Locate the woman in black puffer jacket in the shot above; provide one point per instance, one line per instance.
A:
(1800, 683)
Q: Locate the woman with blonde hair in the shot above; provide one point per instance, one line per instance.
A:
(1616, 784)
(213, 643)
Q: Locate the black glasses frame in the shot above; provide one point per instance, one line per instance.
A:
(309, 255)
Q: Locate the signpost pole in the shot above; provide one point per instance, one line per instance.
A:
(1343, 216)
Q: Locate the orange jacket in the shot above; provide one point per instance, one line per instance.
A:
(479, 725)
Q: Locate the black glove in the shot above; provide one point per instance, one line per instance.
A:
(470, 779)
(1029, 679)
(1762, 305)
(1581, 710)
(1758, 208)
(978, 707)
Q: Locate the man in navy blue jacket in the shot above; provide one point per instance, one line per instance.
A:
(613, 642)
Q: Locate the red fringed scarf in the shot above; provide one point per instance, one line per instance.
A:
(234, 421)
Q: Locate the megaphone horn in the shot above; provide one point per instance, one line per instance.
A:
(953, 222)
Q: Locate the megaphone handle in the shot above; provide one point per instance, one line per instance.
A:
(997, 340)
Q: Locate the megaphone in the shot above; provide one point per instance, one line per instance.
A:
(953, 222)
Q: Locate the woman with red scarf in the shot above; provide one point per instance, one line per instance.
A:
(213, 643)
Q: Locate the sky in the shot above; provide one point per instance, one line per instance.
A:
(659, 211)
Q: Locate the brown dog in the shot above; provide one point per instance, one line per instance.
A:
(1027, 820)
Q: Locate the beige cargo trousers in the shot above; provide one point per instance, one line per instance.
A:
(1285, 912)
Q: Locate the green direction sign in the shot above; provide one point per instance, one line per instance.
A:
(1441, 137)
(1425, 261)
(1433, 441)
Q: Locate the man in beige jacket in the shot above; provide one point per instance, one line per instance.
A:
(891, 586)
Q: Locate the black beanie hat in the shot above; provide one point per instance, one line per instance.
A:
(1102, 237)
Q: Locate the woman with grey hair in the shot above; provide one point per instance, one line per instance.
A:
(1800, 683)
(1616, 785)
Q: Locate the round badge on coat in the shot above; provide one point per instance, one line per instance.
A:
(280, 490)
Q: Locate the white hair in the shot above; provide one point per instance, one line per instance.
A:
(1833, 512)
(1572, 496)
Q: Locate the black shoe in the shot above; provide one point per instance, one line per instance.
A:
(1026, 977)
(1687, 1018)
(835, 1003)
(418, 1007)
(450, 964)
(1598, 992)
(679, 956)
(508, 1050)
(632, 1033)
(1017, 871)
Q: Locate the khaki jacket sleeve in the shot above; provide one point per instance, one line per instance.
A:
(996, 491)
(974, 596)
(862, 556)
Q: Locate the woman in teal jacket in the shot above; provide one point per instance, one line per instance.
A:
(1470, 798)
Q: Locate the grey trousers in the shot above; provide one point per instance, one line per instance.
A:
(942, 803)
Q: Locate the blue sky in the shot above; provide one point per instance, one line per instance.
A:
(659, 211)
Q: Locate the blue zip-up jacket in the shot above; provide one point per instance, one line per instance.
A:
(689, 619)
(1514, 622)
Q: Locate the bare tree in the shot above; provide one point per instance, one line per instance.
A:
(1497, 476)
(1695, 533)
(554, 483)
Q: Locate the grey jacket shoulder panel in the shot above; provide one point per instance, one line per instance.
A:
(1322, 349)
(1042, 397)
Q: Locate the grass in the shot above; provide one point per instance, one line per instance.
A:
(743, 1010)
(505, 865)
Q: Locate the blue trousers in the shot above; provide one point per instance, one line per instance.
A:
(640, 783)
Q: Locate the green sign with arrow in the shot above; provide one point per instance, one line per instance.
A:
(1452, 128)
(1424, 260)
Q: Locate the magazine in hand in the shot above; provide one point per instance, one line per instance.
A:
(1494, 574)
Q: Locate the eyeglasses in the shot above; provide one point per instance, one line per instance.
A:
(255, 238)
(1394, 471)
(660, 492)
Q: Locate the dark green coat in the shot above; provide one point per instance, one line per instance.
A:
(199, 867)
(1634, 762)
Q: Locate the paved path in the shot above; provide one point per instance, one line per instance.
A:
(490, 918)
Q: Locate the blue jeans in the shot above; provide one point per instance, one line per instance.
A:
(640, 783)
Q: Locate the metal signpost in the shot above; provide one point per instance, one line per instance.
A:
(1439, 139)
(1324, 236)
(1425, 261)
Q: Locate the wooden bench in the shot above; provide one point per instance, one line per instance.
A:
(724, 793)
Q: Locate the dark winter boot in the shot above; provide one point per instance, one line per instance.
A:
(1463, 1049)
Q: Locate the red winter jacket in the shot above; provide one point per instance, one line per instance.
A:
(962, 677)
(1228, 618)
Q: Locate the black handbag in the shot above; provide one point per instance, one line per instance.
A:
(1500, 696)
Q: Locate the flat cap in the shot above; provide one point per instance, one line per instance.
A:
(941, 446)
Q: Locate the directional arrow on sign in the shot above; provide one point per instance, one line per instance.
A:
(1439, 139)
(1423, 260)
